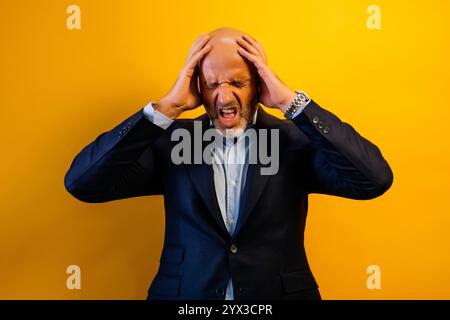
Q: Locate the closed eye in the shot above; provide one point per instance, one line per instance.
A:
(212, 85)
(239, 84)
(235, 83)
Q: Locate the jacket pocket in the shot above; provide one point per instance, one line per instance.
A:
(172, 254)
(297, 281)
(164, 285)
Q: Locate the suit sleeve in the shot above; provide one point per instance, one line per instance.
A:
(118, 164)
(340, 161)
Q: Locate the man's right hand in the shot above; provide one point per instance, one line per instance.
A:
(184, 94)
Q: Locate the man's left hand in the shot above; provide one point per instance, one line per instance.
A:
(274, 93)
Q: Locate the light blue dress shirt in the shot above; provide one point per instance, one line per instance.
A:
(230, 171)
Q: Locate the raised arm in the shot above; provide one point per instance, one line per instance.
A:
(121, 163)
(340, 161)
(118, 164)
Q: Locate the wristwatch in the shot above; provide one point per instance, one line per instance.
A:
(299, 100)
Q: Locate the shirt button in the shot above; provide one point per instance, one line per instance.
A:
(233, 248)
(315, 119)
(220, 291)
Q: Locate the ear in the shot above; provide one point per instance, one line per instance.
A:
(197, 78)
(194, 80)
(258, 86)
(255, 74)
(198, 85)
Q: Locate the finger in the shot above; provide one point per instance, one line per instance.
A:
(256, 44)
(253, 41)
(198, 56)
(198, 44)
(262, 69)
(247, 46)
(252, 58)
(199, 39)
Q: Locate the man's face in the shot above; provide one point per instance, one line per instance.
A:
(228, 86)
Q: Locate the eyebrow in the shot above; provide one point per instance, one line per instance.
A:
(236, 79)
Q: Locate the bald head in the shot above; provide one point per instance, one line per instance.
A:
(223, 56)
(228, 81)
(225, 36)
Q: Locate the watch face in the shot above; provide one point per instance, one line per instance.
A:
(302, 95)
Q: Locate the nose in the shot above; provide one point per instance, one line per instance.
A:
(225, 95)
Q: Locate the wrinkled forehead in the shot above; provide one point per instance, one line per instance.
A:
(223, 62)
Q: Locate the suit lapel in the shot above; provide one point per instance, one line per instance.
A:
(202, 176)
(255, 182)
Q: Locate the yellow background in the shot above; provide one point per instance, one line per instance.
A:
(61, 88)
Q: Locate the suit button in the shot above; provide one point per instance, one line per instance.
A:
(320, 125)
(233, 248)
(315, 119)
(220, 291)
(326, 130)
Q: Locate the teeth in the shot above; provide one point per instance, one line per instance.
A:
(228, 110)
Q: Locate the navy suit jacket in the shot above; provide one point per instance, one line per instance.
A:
(265, 256)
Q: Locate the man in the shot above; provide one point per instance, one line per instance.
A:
(232, 232)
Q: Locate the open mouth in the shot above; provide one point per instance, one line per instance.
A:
(228, 115)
